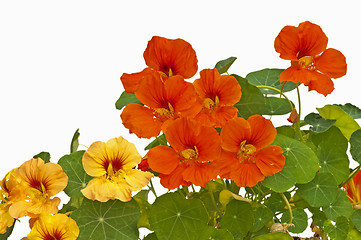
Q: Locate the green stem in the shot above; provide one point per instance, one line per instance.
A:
(181, 192)
(152, 188)
(350, 176)
(193, 188)
(280, 92)
(213, 199)
(298, 127)
(288, 207)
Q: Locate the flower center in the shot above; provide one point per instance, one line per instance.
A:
(246, 152)
(210, 103)
(114, 175)
(304, 62)
(189, 155)
(165, 112)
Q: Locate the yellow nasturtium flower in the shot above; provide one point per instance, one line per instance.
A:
(31, 187)
(6, 220)
(112, 166)
(58, 226)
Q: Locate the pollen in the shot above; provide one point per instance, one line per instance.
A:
(246, 151)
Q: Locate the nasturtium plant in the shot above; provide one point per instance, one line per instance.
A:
(226, 168)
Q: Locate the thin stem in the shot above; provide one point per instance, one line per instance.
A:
(152, 188)
(288, 207)
(298, 127)
(213, 199)
(280, 92)
(181, 192)
(193, 188)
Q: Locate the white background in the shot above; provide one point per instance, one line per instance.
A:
(60, 61)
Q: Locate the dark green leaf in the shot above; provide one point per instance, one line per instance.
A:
(277, 106)
(274, 236)
(356, 219)
(351, 110)
(216, 234)
(321, 191)
(75, 141)
(160, 140)
(318, 217)
(262, 215)
(223, 65)
(276, 203)
(338, 231)
(126, 98)
(269, 77)
(341, 207)
(8, 232)
(355, 142)
(252, 100)
(318, 124)
(110, 220)
(151, 236)
(300, 167)
(234, 219)
(73, 167)
(174, 217)
(300, 220)
(43, 155)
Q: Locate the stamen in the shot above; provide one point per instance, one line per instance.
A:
(246, 151)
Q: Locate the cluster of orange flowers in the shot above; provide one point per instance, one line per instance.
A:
(29, 190)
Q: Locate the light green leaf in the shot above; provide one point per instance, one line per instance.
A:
(269, 77)
(274, 236)
(340, 207)
(73, 167)
(355, 142)
(262, 215)
(126, 98)
(321, 191)
(356, 219)
(318, 124)
(174, 217)
(44, 156)
(252, 100)
(344, 122)
(216, 234)
(300, 167)
(338, 231)
(75, 142)
(223, 65)
(234, 219)
(353, 235)
(351, 110)
(277, 106)
(110, 220)
(300, 220)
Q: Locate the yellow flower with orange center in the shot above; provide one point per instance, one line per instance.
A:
(57, 227)
(31, 187)
(112, 166)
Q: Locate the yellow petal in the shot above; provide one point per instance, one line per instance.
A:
(137, 179)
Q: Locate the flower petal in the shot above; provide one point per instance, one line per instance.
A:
(233, 133)
(137, 179)
(313, 40)
(131, 81)
(287, 43)
(163, 159)
(296, 75)
(332, 63)
(262, 131)
(174, 179)
(321, 84)
(246, 174)
(199, 175)
(94, 161)
(270, 160)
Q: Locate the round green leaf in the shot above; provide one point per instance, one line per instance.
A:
(151, 236)
(223, 65)
(277, 106)
(356, 219)
(338, 231)
(73, 167)
(216, 234)
(341, 207)
(252, 100)
(351, 110)
(262, 215)
(274, 236)
(300, 167)
(276, 203)
(174, 217)
(321, 191)
(318, 124)
(126, 98)
(110, 220)
(238, 218)
(355, 142)
(269, 77)
(300, 220)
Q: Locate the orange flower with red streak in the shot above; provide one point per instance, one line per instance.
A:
(353, 188)
(311, 63)
(218, 93)
(163, 101)
(189, 159)
(168, 57)
(247, 157)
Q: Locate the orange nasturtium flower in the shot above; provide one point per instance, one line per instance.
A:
(247, 157)
(163, 101)
(57, 227)
(218, 93)
(353, 188)
(189, 159)
(31, 187)
(168, 57)
(311, 63)
(112, 166)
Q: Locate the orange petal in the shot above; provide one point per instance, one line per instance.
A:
(151, 91)
(140, 120)
(163, 159)
(332, 63)
(233, 133)
(167, 55)
(223, 114)
(174, 179)
(287, 43)
(270, 160)
(225, 163)
(296, 75)
(313, 40)
(131, 81)
(246, 174)
(321, 84)
(199, 175)
(262, 131)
